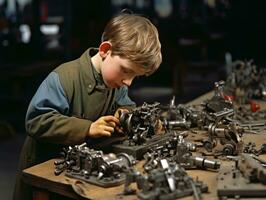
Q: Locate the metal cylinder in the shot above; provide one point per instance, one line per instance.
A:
(206, 163)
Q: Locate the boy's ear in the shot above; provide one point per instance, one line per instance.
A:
(104, 48)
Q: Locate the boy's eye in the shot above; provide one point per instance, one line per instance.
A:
(126, 71)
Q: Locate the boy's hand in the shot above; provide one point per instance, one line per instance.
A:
(104, 126)
(117, 115)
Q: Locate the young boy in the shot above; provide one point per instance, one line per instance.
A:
(79, 100)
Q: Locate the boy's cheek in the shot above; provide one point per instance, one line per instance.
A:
(112, 76)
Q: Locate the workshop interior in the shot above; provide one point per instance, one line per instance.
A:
(207, 45)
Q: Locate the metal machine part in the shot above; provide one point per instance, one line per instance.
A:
(250, 121)
(214, 116)
(170, 181)
(138, 151)
(177, 123)
(246, 81)
(250, 148)
(218, 110)
(92, 166)
(204, 163)
(247, 178)
(228, 137)
(251, 168)
(218, 105)
(140, 124)
(178, 151)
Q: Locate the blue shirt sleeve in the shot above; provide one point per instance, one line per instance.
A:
(50, 96)
(122, 98)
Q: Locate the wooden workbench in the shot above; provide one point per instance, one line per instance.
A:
(43, 179)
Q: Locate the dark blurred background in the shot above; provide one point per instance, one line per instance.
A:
(199, 38)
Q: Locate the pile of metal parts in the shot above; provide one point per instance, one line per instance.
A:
(140, 126)
(252, 122)
(169, 181)
(221, 130)
(178, 151)
(248, 116)
(213, 110)
(217, 116)
(245, 81)
(217, 125)
(218, 110)
(247, 178)
(251, 148)
(214, 116)
(94, 167)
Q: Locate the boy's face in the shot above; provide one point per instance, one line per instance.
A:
(117, 71)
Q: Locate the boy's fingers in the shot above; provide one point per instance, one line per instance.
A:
(119, 112)
(111, 118)
(106, 133)
(119, 130)
(112, 124)
(109, 129)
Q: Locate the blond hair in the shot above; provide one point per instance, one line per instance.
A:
(135, 38)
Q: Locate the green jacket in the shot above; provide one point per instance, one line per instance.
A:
(62, 110)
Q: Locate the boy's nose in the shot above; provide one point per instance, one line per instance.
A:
(127, 82)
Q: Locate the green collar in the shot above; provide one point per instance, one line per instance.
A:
(90, 76)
